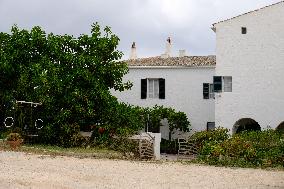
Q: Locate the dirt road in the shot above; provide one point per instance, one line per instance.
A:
(19, 170)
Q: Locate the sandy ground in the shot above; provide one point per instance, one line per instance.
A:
(19, 170)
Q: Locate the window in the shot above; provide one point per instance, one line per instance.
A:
(244, 30)
(208, 90)
(211, 91)
(210, 126)
(153, 88)
(222, 83)
(227, 83)
(217, 81)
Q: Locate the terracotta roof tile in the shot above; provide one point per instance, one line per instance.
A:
(189, 61)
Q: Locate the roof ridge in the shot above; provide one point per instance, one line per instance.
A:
(188, 61)
(172, 57)
(282, 1)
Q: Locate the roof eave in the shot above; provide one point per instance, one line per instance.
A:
(172, 67)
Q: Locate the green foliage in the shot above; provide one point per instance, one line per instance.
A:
(213, 137)
(69, 136)
(6, 131)
(77, 140)
(122, 119)
(176, 120)
(72, 77)
(49, 134)
(247, 149)
(130, 148)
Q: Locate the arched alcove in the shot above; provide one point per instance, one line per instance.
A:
(280, 127)
(246, 124)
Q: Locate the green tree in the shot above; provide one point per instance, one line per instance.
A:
(71, 77)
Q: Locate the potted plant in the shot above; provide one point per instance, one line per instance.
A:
(14, 140)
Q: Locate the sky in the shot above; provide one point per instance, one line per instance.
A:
(147, 22)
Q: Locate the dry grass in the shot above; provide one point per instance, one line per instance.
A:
(79, 152)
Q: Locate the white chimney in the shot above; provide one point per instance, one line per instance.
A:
(133, 54)
(168, 47)
(182, 53)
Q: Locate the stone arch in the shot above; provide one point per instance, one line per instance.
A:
(280, 127)
(246, 124)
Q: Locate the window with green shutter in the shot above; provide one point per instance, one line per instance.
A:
(217, 81)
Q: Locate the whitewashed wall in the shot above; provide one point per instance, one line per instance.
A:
(256, 63)
(184, 92)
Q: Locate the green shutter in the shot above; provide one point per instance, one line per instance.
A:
(217, 81)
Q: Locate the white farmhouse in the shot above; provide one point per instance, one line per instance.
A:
(184, 83)
(248, 77)
(250, 70)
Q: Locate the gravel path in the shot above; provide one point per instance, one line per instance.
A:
(19, 170)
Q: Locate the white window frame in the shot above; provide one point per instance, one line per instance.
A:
(211, 90)
(153, 88)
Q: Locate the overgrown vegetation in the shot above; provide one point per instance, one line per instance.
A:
(72, 77)
(246, 149)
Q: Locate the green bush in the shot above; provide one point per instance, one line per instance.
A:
(69, 136)
(6, 131)
(49, 135)
(246, 149)
(215, 136)
(128, 147)
(77, 140)
(176, 120)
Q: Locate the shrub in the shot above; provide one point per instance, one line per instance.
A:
(176, 120)
(70, 136)
(49, 135)
(77, 140)
(129, 147)
(214, 136)
(14, 140)
(246, 149)
(14, 137)
(102, 135)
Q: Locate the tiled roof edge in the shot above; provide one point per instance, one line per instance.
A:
(186, 61)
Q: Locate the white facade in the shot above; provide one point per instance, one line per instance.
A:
(183, 91)
(255, 61)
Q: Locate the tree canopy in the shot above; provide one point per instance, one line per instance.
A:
(71, 77)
